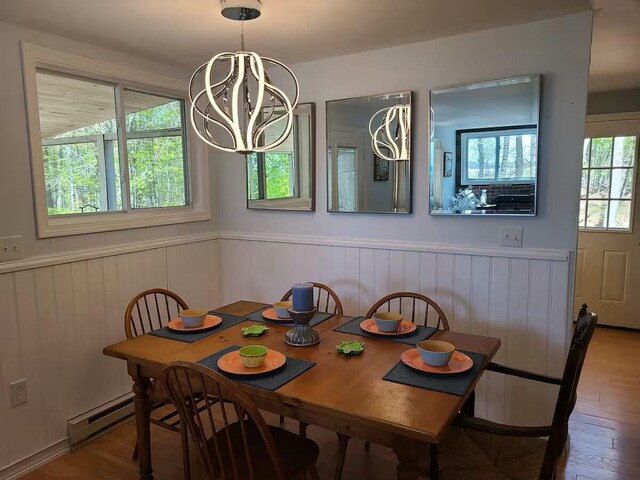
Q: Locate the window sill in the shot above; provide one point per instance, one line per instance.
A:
(105, 222)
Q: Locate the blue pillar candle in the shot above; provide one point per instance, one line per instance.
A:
(303, 297)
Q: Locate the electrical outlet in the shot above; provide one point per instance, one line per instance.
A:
(11, 248)
(18, 392)
(511, 237)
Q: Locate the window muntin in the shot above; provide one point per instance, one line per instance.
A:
(504, 155)
(82, 147)
(607, 187)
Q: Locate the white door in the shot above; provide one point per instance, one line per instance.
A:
(346, 155)
(608, 257)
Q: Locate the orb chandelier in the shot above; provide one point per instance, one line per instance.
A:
(233, 98)
(393, 132)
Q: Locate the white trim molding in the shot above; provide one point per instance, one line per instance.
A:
(35, 57)
(504, 252)
(30, 463)
(91, 253)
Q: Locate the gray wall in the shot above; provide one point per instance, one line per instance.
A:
(559, 49)
(16, 197)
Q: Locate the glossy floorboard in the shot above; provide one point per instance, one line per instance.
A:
(605, 432)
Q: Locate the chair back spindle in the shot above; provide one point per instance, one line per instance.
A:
(222, 421)
(413, 306)
(150, 310)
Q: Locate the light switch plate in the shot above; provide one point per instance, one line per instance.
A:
(11, 248)
(511, 237)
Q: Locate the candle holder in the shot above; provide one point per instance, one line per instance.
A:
(302, 335)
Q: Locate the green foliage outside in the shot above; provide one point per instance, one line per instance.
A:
(156, 164)
(278, 170)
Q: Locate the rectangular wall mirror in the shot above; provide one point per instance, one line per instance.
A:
(484, 148)
(284, 178)
(369, 154)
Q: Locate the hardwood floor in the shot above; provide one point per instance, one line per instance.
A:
(604, 429)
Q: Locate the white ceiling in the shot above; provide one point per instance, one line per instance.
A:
(615, 51)
(188, 32)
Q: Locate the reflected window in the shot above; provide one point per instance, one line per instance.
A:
(272, 175)
(505, 155)
(606, 192)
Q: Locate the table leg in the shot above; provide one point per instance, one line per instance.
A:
(143, 426)
(412, 456)
(434, 466)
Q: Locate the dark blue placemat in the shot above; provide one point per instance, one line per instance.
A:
(457, 384)
(269, 380)
(227, 321)
(419, 334)
(319, 317)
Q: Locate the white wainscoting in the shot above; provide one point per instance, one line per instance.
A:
(519, 296)
(56, 319)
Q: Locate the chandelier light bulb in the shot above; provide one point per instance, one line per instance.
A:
(392, 133)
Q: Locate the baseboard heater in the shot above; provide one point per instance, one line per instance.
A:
(99, 420)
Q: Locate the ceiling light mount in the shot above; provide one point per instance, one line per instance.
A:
(240, 9)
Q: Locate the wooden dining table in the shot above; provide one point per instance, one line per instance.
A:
(343, 393)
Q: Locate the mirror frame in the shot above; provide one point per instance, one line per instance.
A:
(534, 76)
(409, 210)
(312, 170)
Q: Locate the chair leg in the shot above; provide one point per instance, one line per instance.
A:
(469, 407)
(302, 429)
(434, 467)
(313, 473)
(135, 452)
(367, 446)
(343, 443)
(186, 461)
(281, 419)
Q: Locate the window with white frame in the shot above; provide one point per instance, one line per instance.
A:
(104, 145)
(606, 194)
(499, 155)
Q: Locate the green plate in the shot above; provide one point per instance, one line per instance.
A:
(350, 347)
(254, 330)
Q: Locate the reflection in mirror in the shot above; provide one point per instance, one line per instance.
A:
(283, 178)
(369, 154)
(484, 148)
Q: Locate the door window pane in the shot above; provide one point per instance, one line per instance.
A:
(624, 151)
(599, 180)
(597, 213)
(621, 182)
(607, 183)
(620, 214)
(585, 152)
(601, 149)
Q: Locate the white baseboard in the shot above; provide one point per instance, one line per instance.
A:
(30, 463)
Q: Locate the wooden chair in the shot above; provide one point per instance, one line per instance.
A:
(148, 311)
(493, 450)
(232, 438)
(414, 303)
(326, 299)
